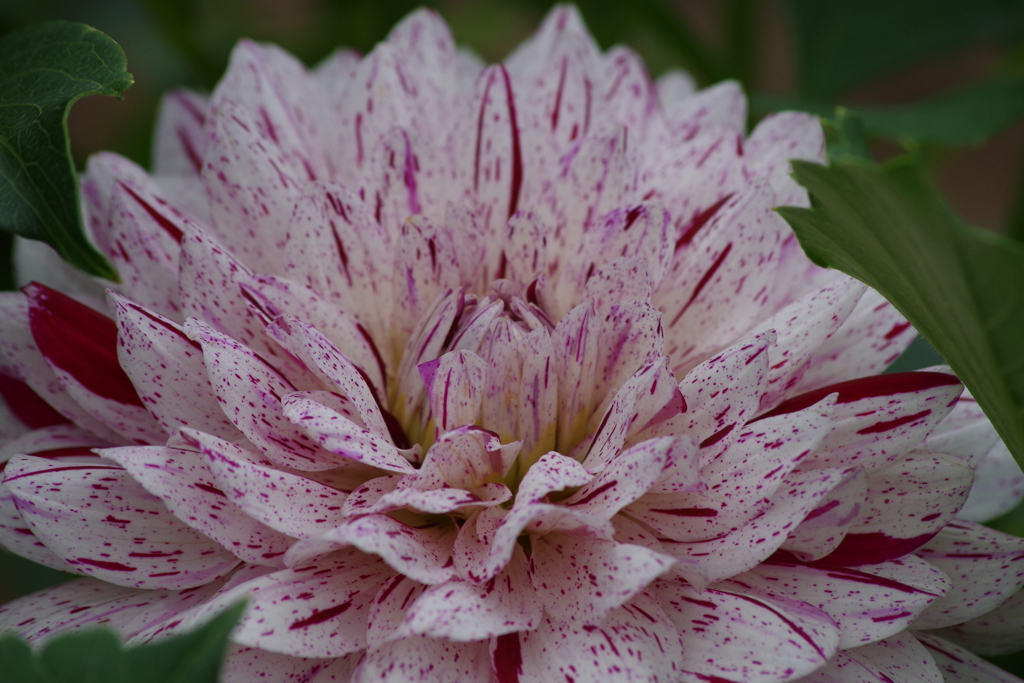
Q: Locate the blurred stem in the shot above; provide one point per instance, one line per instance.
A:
(672, 26)
(1015, 228)
(740, 20)
(6, 261)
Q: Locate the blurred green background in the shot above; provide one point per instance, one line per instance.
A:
(887, 55)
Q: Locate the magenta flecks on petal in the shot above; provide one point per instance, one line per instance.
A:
(507, 373)
(103, 522)
(80, 341)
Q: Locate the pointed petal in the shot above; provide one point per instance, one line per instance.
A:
(742, 484)
(802, 328)
(722, 284)
(145, 232)
(210, 291)
(930, 489)
(553, 472)
(703, 562)
(168, 371)
(185, 484)
(180, 140)
(80, 345)
(580, 581)
(284, 501)
(636, 642)
(957, 664)
(251, 184)
(868, 342)
(272, 295)
(724, 393)
(430, 660)
(986, 568)
(333, 368)
(462, 611)
(776, 140)
(878, 419)
(997, 632)
(318, 610)
(730, 634)
(340, 435)
(84, 603)
(865, 606)
(626, 478)
(421, 553)
(104, 523)
(250, 392)
(898, 658)
(338, 249)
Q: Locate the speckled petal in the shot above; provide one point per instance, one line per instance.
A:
(742, 484)
(318, 610)
(907, 503)
(730, 634)
(636, 642)
(247, 664)
(957, 664)
(462, 611)
(898, 658)
(180, 141)
(723, 393)
(423, 553)
(878, 419)
(64, 443)
(724, 279)
(339, 434)
(250, 393)
(80, 346)
(870, 340)
(168, 371)
(430, 660)
(580, 581)
(802, 327)
(986, 568)
(104, 523)
(866, 604)
(997, 632)
(285, 501)
(83, 603)
(184, 482)
(337, 248)
(703, 562)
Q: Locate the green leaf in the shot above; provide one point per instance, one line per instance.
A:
(190, 658)
(97, 656)
(845, 136)
(842, 43)
(44, 69)
(92, 656)
(962, 288)
(18, 662)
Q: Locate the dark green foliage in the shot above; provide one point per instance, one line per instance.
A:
(43, 70)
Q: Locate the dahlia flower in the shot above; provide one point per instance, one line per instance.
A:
(503, 373)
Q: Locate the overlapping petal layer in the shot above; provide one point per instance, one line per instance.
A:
(492, 373)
